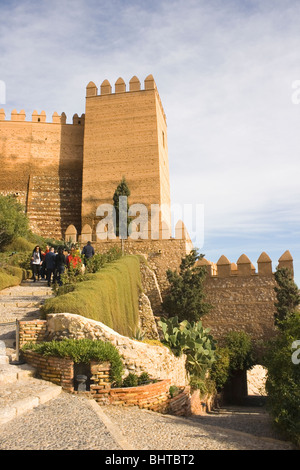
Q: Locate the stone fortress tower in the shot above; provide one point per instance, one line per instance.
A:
(125, 135)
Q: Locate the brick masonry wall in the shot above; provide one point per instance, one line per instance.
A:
(53, 369)
(31, 331)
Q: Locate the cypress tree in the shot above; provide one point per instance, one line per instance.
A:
(287, 294)
(121, 190)
(186, 298)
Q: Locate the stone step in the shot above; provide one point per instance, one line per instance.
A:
(25, 294)
(19, 304)
(20, 391)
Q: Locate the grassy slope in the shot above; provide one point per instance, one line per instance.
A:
(109, 296)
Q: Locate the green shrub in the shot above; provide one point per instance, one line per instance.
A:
(236, 354)
(16, 271)
(130, 381)
(82, 351)
(287, 295)
(13, 221)
(241, 355)
(143, 378)
(7, 280)
(109, 296)
(20, 244)
(99, 260)
(174, 391)
(283, 379)
(134, 380)
(186, 297)
(220, 371)
(21, 260)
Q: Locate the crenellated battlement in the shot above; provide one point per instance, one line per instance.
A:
(244, 267)
(120, 87)
(41, 117)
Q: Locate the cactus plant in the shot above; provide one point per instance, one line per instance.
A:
(191, 339)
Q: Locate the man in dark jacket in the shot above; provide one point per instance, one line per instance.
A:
(60, 265)
(87, 252)
(50, 265)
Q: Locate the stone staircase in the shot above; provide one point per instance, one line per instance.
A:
(20, 390)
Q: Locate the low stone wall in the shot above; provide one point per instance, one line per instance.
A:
(138, 356)
(31, 331)
(154, 396)
(57, 370)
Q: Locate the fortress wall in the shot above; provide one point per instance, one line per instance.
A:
(242, 299)
(121, 139)
(241, 304)
(42, 165)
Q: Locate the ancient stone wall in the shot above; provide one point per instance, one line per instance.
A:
(242, 299)
(41, 164)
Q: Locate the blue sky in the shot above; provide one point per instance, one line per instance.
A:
(224, 71)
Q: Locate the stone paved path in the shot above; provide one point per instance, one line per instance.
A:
(20, 303)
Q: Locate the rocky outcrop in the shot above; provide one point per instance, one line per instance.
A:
(147, 322)
(138, 356)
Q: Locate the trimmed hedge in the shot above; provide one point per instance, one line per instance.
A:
(11, 276)
(109, 296)
(8, 280)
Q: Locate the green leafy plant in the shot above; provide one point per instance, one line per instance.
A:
(143, 378)
(236, 354)
(139, 334)
(13, 222)
(134, 380)
(100, 260)
(283, 378)
(130, 381)
(174, 391)
(241, 354)
(186, 298)
(220, 370)
(191, 339)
